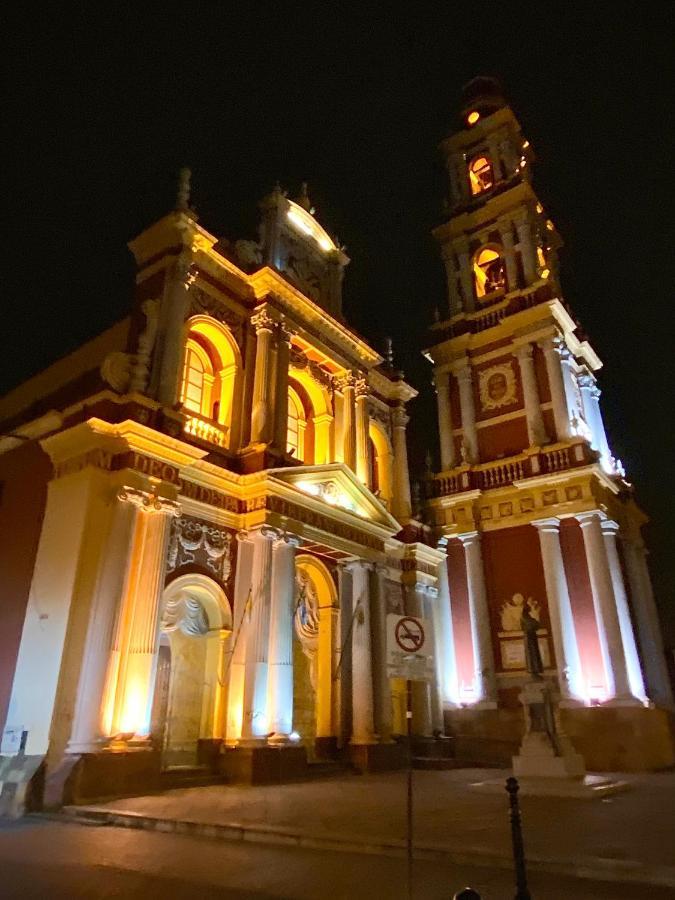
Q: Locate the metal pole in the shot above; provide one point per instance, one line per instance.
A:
(408, 716)
(522, 892)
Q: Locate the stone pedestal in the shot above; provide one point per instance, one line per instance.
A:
(546, 752)
(378, 757)
(264, 764)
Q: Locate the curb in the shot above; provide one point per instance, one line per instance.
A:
(592, 868)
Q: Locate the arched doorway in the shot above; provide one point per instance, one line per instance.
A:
(315, 647)
(188, 708)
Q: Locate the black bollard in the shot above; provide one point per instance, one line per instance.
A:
(522, 892)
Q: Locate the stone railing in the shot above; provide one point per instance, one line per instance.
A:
(206, 430)
(503, 472)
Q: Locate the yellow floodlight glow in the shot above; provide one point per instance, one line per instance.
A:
(307, 224)
(473, 117)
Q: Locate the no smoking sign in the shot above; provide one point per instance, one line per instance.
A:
(409, 634)
(409, 653)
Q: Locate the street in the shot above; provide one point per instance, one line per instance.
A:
(41, 858)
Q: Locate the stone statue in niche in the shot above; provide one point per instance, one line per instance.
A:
(512, 612)
(533, 661)
(306, 620)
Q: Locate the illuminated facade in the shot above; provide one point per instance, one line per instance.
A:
(211, 513)
(220, 521)
(533, 508)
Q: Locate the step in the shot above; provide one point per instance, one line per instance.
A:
(437, 763)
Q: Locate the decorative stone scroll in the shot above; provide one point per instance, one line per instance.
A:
(198, 542)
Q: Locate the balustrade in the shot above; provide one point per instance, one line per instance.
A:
(206, 430)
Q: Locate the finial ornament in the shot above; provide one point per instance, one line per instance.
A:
(183, 195)
(389, 352)
(303, 198)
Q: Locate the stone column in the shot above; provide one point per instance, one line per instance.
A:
(454, 297)
(363, 729)
(648, 623)
(635, 680)
(421, 705)
(495, 159)
(481, 635)
(383, 708)
(173, 309)
(446, 658)
(262, 417)
(255, 724)
(590, 393)
(536, 432)
(362, 435)
(88, 733)
(528, 253)
(506, 236)
(237, 643)
(570, 677)
(281, 393)
(466, 402)
(132, 663)
(435, 690)
(609, 630)
(442, 383)
(347, 385)
(280, 658)
(401, 501)
(466, 275)
(561, 414)
(569, 378)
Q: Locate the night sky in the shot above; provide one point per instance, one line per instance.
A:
(102, 112)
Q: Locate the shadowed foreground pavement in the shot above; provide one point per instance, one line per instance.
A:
(54, 860)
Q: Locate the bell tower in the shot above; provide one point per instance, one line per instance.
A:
(535, 511)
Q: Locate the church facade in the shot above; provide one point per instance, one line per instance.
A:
(212, 520)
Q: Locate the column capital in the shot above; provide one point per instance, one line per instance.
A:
(345, 381)
(399, 417)
(523, 351)
(148, 501)
(353, 565)
(292, 540)
(262, 320)
(547, 525)
(284, 331)
(587, 519)
(361, 387)
(269, 532)
(609, 526)
(469, 537)
(243, 536)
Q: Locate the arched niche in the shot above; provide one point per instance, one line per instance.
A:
(319, 414)
(383, 460)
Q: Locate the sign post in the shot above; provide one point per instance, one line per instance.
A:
(408, 657)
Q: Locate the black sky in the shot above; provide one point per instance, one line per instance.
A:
(103, 110)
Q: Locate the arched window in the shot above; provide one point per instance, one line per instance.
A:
(195, 371)
(211, 369)
(480, 175)
(488, 270)
(297, 423)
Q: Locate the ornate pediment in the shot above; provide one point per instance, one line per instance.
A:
(336, 486)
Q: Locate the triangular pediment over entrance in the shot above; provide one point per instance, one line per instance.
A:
(335, 485)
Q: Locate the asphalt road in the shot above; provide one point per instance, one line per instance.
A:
(53, 860)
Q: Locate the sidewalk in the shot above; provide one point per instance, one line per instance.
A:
(628, 837)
